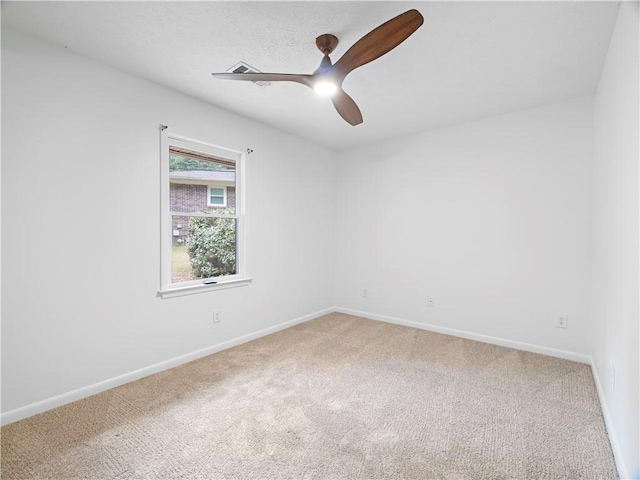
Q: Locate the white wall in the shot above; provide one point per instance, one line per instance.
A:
(491, 218)
(616, 220)
(494, 219)
(81, 220)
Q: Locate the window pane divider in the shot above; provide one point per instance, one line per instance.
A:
(202, 214)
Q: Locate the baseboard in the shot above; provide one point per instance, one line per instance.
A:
(503, 342)
(84, 392)
(623, 471)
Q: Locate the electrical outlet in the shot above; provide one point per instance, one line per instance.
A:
(365, 293)
(431, 302)
(562, 321)
(216, 316)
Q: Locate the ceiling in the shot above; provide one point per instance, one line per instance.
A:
(469, 60)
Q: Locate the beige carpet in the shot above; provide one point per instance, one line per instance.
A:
(337, 397)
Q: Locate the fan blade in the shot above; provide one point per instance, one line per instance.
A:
(378, 41)
(266, 77)
(346, 107)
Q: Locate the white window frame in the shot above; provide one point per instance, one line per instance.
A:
(168, 288)
(224, 196)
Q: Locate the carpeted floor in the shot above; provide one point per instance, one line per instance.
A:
(337, 397)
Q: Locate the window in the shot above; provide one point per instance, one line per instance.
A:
(202, 217)
(217, 196)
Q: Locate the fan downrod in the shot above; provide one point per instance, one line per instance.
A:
(326, 43)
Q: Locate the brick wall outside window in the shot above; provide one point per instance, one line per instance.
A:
(192, 198)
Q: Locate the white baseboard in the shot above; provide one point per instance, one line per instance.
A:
(528, 347)
(623, 471)
(59, 400)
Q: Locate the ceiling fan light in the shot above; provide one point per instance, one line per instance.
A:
(325, 88)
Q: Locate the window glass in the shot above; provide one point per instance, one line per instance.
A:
(206, 249)
(216, 196)
(202, 225)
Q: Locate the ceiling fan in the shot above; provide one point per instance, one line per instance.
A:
(328, 78)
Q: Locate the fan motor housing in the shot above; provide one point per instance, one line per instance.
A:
(327, 43)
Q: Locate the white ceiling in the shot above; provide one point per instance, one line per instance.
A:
(469, 60)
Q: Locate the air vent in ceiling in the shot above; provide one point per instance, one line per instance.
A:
(242, 67)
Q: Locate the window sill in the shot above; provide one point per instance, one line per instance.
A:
(192, 289)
